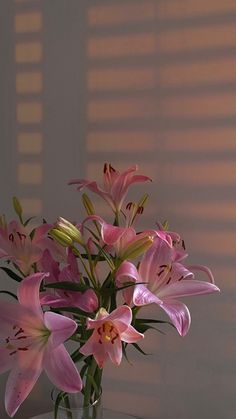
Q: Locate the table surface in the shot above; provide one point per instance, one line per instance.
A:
(107, 414)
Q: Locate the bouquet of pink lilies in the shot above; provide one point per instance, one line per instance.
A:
(88, 282)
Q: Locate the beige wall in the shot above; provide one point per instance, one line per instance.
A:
(147, 82)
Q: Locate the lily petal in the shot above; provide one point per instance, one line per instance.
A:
(179, 315)
(28, 292)
(61, 328)
(22, 379)
(61, 370)
(142, 296)
(187, 287)
(115, 352)
(131, 335)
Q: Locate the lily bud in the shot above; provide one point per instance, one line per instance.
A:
(17, 207)
(61, 237)
(88, 204)
(70, 230)
(3, 223)
(138, 247)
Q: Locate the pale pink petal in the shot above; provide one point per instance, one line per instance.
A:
(179, 272)
(158, 256)
(127, 272)
(115, 351)
(142, 296)
(61, 328)
(41, 231)
(204, 269)
(92, 186)
(100, 354)
(61, 370)
(93, 347)
(131, 335)
(123, 314)
(179, 315)
(111, 234)
(187, 287)
(22, 379)
(86, 301)
(12, 314)
(88, 347)
(28, 292)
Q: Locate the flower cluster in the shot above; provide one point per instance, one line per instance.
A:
(88, 281)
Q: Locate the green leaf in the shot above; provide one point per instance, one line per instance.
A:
(12, 274)
(75, 310)
(129, 284)
(28, 221)
(124, 345)
(57, 403)
(106, 256)
(65, 285)
(9, 293)
(142, 328)
(139, 349)
(153, 321)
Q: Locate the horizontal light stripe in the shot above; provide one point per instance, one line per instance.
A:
(30, 173)
(28, 52)
(125, 108)
(98, 141)
(197, 73)
(173, 9)
(222, 211)
(31, 206)
(208, 105)
(195, 38)
(221, 243)
(122, 45)
(209, 173)
(28, 22)
(115, 14)
(225, 275)
(201, 139)
(29, 82)
(29, 112)
(133, 78)
(29, 142)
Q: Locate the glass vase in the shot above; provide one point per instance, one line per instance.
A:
(71, 407)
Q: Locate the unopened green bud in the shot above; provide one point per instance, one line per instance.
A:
(61, 237)
(165, 225)
(70, 230)
(3, 223)
(138, 247)
(89, 208)
(17, 207)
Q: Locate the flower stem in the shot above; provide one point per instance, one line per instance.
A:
(88, 389)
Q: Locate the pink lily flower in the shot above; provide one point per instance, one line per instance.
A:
(32, 341)
(17, 245)
(122, 239)
(115, 185)
(109, 331)
(86, 301)
(165, 280)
